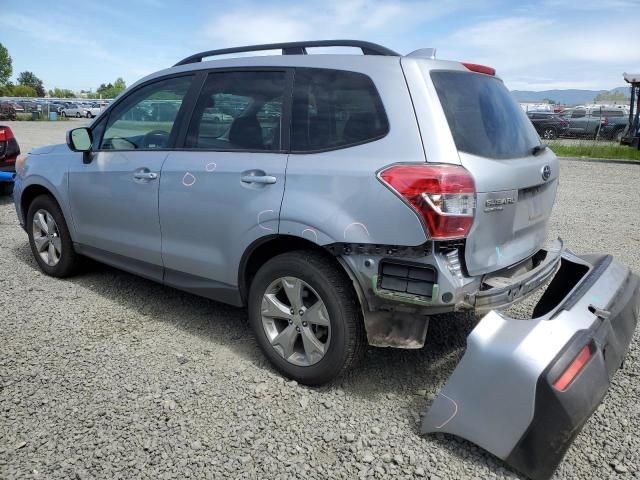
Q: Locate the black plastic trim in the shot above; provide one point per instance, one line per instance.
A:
(292, 48)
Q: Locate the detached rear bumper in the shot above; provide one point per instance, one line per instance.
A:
(525, 388)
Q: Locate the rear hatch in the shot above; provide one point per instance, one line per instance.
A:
(515, 186)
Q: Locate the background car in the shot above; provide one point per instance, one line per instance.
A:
(93, 109)
(74, 110)
(548, 125)
(9, 151)
(7, 111)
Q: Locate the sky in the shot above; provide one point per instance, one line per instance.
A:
(534, 45)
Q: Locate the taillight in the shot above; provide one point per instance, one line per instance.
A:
(5, 134)
(443, 195)
(474, 67)
(574, 368)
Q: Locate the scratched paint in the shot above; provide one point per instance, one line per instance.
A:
(211, 166)
(498, 253)
(357, 226)
(263, 212)
(188, 180)
(312, 233)
(455, 410)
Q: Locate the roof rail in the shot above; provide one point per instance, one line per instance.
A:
(293, 48)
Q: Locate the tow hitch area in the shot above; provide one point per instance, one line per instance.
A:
(524, 388)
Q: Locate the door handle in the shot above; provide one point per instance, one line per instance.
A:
(263, 179)
(145, 175)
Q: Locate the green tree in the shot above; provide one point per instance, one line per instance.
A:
(61, 93)
(612, 96)
(29, 79)
(112, 90)
(6, 66)
(7, 90)
(25, 91)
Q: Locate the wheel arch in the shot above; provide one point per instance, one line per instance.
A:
(34, 190)
(267, 247)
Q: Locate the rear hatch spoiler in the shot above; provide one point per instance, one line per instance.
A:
(524, 388)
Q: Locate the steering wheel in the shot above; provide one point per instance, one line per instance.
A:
(155, 139)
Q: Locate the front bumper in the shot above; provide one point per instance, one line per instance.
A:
(502, 397)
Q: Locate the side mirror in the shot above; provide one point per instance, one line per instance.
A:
(80, 139)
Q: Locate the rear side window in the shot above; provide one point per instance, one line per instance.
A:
(238, 111)
(334, 109)
(484, 118)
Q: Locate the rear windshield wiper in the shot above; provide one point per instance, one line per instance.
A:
(539, 149)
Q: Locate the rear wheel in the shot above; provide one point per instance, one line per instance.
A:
(49, 238)
(306, 317)
(78, 115)
(63, 114)
(549, 133)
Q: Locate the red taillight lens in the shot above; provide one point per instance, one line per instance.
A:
(443, 195)
(474, 67)
(573, 369)
(5, 134)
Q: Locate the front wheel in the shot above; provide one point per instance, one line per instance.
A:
(63, 114)
(549, 133)
(49, 238)
(306, 317)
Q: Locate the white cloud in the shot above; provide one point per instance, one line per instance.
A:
(319, 19)
(539, 53)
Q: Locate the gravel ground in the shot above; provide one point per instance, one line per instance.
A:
(107, 375)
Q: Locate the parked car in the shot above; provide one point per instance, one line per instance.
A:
(9, 151)
(615, 122)
(7, 111)
(16, 106)
(73, 110)
(414, 186)
(548, 125)
(92, 110)
(592, 122)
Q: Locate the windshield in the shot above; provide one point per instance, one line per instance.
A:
(484, 118)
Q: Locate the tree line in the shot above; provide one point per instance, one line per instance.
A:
(29, 85)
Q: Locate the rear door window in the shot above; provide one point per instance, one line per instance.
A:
(334, 109)
(484, 118)
(239, 111)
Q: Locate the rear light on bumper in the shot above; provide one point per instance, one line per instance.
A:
(443, 195)
(574, 368)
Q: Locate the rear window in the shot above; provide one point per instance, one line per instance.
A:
(484, 118)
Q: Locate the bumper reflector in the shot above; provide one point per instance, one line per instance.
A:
(573, 369)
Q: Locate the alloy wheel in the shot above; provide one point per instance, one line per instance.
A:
(46, 237)
(295, 321)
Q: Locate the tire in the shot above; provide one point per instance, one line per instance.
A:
(617, 135)
(549, 133)
(63, 114)
(78, 115)
(343, 337)
(68, 261)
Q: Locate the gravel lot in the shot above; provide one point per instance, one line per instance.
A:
(108, 375)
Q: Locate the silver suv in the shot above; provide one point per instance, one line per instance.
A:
(345, 199)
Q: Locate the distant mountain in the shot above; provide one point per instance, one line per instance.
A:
(565, 97)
